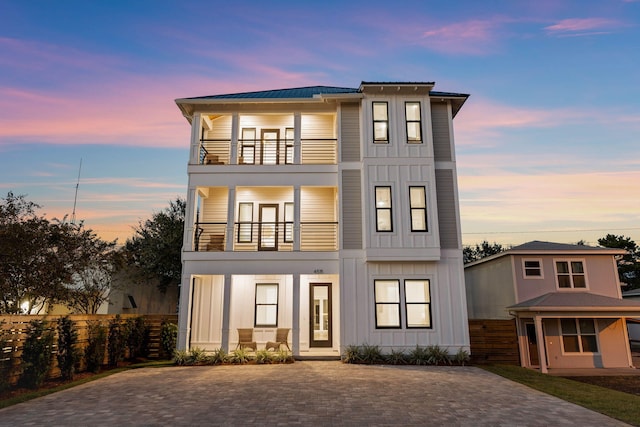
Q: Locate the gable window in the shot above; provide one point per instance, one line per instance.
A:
(579, 336)
(266, 304)
(570, 274)
(383, 209)
(387, 298)
(414, 125)
(417, 303)
(418, 208)
(245, 223)
(288, 222)
(380, 123)
(532, 268)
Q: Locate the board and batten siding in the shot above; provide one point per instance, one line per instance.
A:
(447, 214)
(351, 210)
(350, 132)
(441, 132)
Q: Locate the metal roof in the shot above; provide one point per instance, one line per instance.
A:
(293, 93)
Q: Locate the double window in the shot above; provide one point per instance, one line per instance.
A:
(388, 300)
(579, 336)
(570, 274)
(532, 268)
(380, 123)
(384, 217)
(414, 123)
(266, 304)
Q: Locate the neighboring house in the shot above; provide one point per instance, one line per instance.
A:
(565, 299)
(329, 211)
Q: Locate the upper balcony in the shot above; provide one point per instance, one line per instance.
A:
(269, 139)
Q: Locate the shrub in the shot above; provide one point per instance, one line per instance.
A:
(168, 338)
(370, 354)
(282, 356)
(197, 355)
(96, 344)
(462, 357)
(180, 357)
(138, 333)
(68, 354)
(6, 359)
(117, 341)
(240, 356)
(219, 356)
(351, 354)
(437, 355)
(396, 357)
(419, 356)
(36, 354)
(263, 357)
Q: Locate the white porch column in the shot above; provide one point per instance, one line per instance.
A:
(295, 323)
(231, 214)
(542, 345)
(184, 316)
(189, 220)
(297, 132)
(296, 218)
(226, 310)
(196, 128)
(235, 128)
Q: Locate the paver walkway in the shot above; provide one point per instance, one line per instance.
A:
(303, 393)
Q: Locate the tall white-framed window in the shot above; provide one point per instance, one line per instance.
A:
(570, 274)
(414, 122)
(579, 336)
(380, 122)
(288, 222)
(418, 208)
(387, 301)
(245, 222)
(266, 305)
(384, 214)
(417, 303)
(532, 268)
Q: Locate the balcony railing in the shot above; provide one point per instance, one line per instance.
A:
(266, 236)
(269, 151)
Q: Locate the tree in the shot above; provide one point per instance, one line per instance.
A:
(155, 249)
(479, 251)
(629, 264)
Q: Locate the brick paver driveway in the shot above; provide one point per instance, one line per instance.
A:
(303, 393)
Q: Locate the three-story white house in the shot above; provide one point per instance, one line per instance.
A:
(329, 211)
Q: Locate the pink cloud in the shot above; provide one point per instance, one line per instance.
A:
(476, 37)
(582, 26)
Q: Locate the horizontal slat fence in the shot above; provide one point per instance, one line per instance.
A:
(494, 341)
(14, 329)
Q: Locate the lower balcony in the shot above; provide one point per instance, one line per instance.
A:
(267, 236)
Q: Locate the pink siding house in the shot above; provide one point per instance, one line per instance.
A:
(565, 299)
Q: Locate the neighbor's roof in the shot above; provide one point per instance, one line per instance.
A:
(571, 301)
(537, 247)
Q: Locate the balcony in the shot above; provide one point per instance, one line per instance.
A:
(266, 236)
(268, 152)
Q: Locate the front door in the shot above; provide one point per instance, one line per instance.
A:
(532, 344)
(269, 154)
(268, 229)
(320, 309)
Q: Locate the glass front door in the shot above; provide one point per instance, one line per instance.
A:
(270, 153)
(320, 307)
(268, 230)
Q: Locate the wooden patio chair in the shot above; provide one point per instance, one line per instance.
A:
(282, 335)
(245, 339)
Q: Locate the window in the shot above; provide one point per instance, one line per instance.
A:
(380, 123)
(579, 336)
(417, 303)
(266, 304)
(245, 223)
(414, 126)
(418, 207)
(387, 298)
(532, 268)
(288, 146)
(570, 274)
(383, 209)
(288, 222)
(248, 146)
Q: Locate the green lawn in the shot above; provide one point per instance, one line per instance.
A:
(622, 406)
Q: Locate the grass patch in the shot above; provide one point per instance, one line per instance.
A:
(615, 404)
(28, 395)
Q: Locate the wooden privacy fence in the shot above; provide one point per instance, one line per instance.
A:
(14, 330)
(494, 341)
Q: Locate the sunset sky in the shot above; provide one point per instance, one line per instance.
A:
(548, 144)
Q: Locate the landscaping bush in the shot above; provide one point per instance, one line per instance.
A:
(68, 354)
(462, 357)
(419, 356)
(96, 345)
(240, 356)
(351, 354)
(36, 354)
(219, 356)
(263, 357)
(137, 333)
(117, 341)
(437, 355)
(168, 338)
(396, 357)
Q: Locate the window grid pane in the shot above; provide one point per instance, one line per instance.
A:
(418, 208)
(380, 123)
(387, 300)
(417, 303)
(384, 217)
(414, 125)
(266, 313)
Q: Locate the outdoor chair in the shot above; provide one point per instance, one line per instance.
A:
(282, 335)
(245, 339)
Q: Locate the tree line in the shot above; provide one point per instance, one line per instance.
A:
(45, 262)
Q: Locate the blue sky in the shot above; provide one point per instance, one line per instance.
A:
(548, 144)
